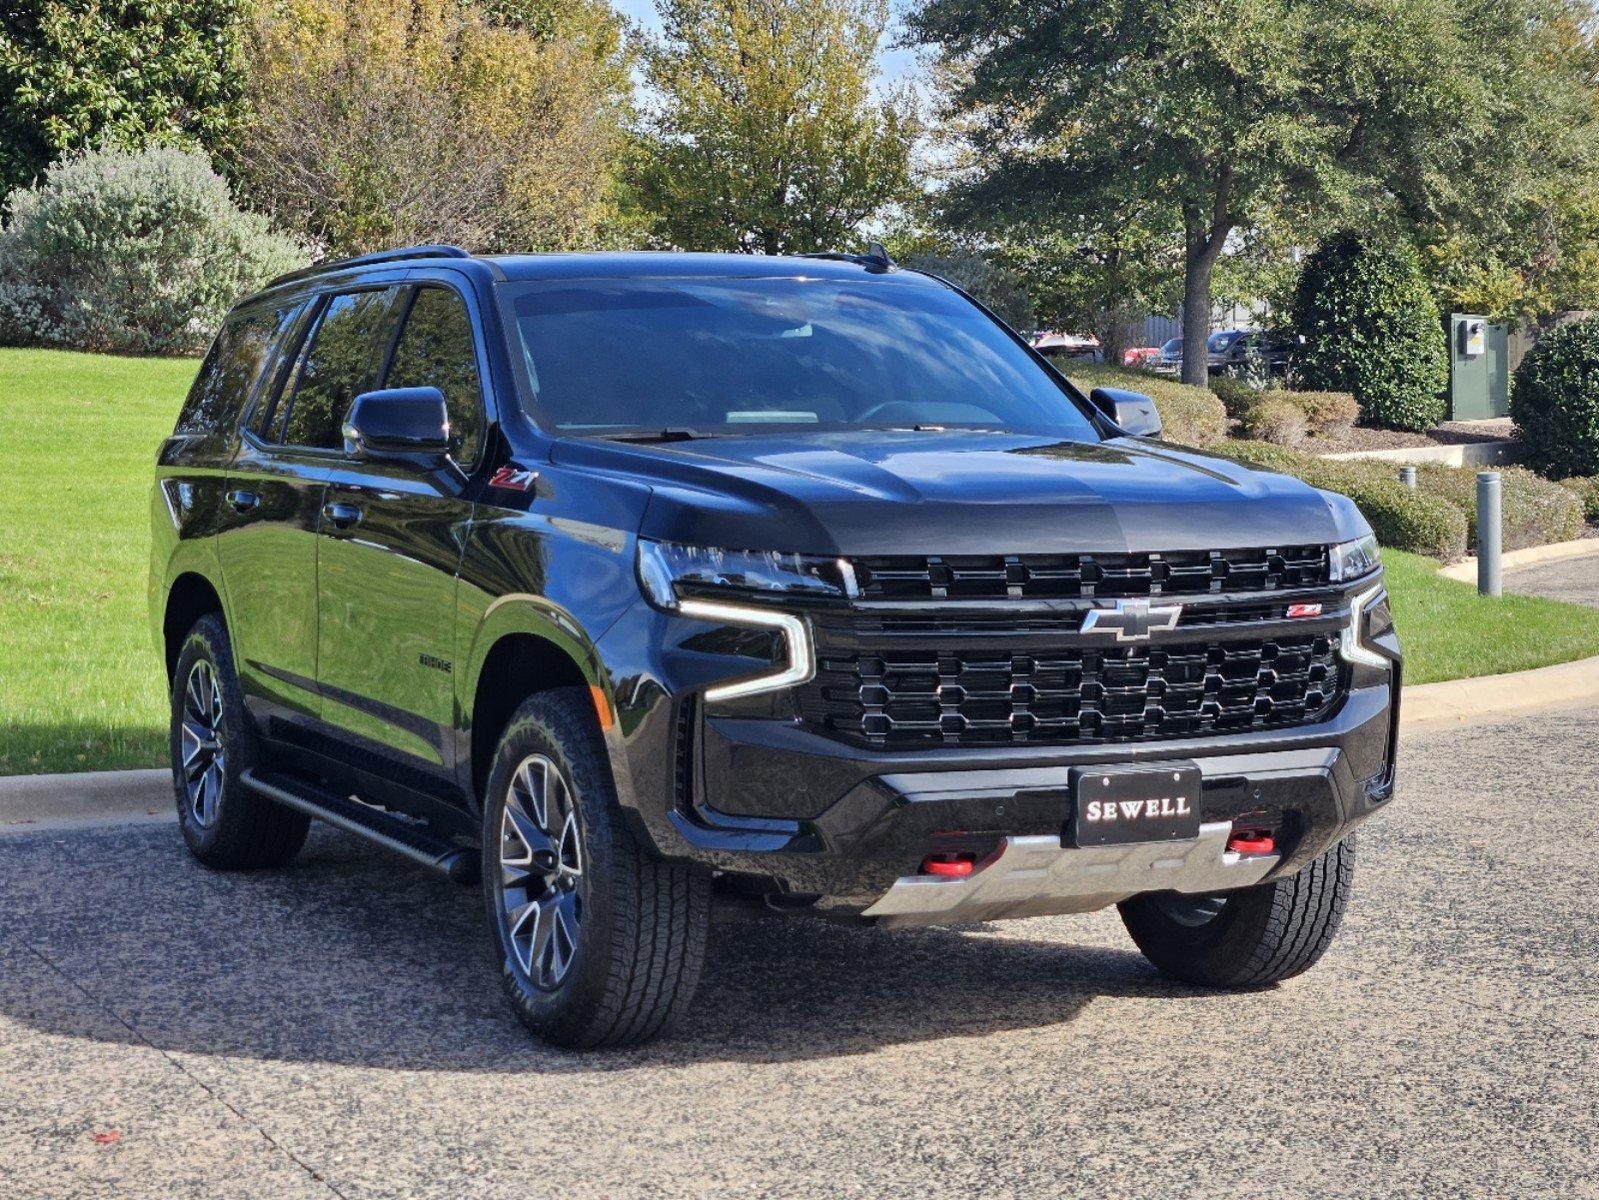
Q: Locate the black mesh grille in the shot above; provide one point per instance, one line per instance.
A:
(971, 695)
(1065, 576)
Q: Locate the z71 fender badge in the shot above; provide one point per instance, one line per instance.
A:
(513, 479)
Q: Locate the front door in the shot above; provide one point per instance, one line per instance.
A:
(392, 537)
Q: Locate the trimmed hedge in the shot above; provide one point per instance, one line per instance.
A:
(1192, 416)
(1372, 328)
(1330, 414)
(1586, 489)
(1534, 511)
(1275, 418)
(1555, 401)
(1235, 394)
(1417, 521)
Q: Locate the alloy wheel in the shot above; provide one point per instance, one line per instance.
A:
(541, 872)
(204, 744)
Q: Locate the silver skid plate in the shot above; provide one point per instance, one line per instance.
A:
(1037, 876)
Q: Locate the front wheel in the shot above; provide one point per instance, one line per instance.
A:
(1250, 937)
(599, 942)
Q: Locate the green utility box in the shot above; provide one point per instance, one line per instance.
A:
(1479, 368)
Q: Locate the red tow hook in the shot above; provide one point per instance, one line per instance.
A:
(1252, 841)
(955, 866)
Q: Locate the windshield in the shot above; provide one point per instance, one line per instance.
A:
(1220, 341)
(730, 356)
(1175, 346)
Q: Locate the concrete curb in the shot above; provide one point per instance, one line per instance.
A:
(1466, 570)
(101, 795)
(1456, 701)
(1462, 454)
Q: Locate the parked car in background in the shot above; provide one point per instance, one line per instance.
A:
(1140, 356)
(1230, 352)
(1058, 347)
(1169, 360)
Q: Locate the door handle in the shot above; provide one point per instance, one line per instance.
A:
(342, 514)
(243, 501)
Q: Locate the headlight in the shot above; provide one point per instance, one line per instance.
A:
(693, 580)
(669, 571)
(1351, 560)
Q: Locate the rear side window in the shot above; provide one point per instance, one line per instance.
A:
(229, 372)
(342, 358)
(436, 350)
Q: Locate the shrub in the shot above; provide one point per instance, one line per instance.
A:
(1273, 418)
(1234, 393)
(1586, 489)
(1533, 511)
(1191, 416)
(133, 252)
(1329, 414)
(1372, 328)
(1555, 401)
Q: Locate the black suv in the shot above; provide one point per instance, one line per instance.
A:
(638, 584)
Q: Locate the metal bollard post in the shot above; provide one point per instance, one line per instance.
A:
(1407, 476)
(1488, 529)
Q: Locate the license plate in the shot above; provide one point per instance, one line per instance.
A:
(1155, 803)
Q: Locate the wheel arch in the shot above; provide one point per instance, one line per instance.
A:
(190, 597)
(521, 651)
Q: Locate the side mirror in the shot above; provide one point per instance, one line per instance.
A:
(1134, 412)
(398, 423)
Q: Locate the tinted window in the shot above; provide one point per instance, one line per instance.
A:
(342, 358)
(435, 350)
(739, 355)
(228, 374)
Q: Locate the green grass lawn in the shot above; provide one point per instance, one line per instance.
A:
(81, 685)
(1448, 631)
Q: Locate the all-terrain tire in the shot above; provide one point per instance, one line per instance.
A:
(232, 828)
(1260, 935)
(641, 922)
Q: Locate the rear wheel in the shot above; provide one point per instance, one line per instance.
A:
(599, 942)
(224, 824)
(1250, 937)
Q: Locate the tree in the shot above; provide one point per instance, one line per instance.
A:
(384, 122)
(1222, 113)
(764, 136)
(127, 72)
(1371, 327)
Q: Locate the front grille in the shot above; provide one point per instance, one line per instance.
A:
(1069, 576)
(983, 695)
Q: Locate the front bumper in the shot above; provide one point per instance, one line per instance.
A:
(779, 809)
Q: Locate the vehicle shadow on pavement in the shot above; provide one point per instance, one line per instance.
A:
(352, 957)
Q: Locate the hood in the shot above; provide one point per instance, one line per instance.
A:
(873, 492)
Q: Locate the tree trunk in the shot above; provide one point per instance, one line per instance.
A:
(1203, 247)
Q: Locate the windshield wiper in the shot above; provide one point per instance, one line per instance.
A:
(670, 434)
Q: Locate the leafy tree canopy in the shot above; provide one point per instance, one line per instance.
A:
(1220, 114)
(764, 135)
(76, 73)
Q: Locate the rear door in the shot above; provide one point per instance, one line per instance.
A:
(391, 543)
(275, 500)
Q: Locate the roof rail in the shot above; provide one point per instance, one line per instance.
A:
(875, 259)
(432, 250)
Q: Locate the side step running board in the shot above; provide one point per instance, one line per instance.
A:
(387, 830)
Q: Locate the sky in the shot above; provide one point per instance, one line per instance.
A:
(894, 64)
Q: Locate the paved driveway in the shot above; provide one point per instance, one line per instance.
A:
(336, 1030)
(1575, 580)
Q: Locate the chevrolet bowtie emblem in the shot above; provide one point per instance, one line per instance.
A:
(1132, 620)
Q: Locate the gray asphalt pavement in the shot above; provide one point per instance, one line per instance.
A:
(1575, 580)
(335, 1029)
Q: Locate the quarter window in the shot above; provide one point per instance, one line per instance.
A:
(343, 356)
(436, 350)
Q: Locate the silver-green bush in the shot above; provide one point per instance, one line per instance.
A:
(136, 252)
